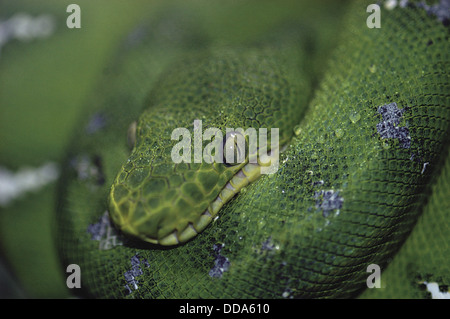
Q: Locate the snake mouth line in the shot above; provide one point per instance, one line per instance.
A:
(246, 175)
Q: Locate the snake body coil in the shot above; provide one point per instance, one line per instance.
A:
(352, 181)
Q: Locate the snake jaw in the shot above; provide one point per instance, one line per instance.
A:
(130, 211)
(188, 233)
(246, 175)
(170, 240)
(249, 173)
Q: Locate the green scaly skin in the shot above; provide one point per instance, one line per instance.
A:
(343, 198)
(157, 200)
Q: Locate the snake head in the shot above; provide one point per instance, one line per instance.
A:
(167, 202)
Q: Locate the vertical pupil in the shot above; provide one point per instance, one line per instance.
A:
(232, 152)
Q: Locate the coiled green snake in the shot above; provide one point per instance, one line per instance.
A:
(364, 140)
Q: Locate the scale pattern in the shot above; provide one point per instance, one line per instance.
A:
(350, 187)
(226, 89)
(424, 256)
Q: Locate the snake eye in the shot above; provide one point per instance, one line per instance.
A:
(131, 135)
(234, 148)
